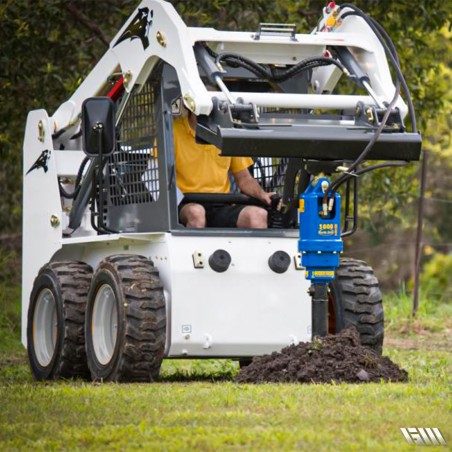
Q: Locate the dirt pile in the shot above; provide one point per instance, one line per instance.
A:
(334, 358)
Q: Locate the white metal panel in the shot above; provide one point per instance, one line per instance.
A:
(247, 310)
(68, 162)
(271, 52)
(318, 39)
(41, 200)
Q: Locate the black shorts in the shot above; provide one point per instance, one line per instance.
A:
(220, 215)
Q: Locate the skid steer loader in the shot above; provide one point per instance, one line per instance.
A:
(113, 282)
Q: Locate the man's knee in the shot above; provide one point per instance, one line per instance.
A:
(193, 216)
(252, 217)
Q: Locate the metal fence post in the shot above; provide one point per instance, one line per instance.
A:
(420, 218)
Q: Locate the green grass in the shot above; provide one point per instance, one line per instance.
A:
(197, 406)
(432, 315)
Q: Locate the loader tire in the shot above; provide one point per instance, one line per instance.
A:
(355, 300)
(56, 316)
(125, 321)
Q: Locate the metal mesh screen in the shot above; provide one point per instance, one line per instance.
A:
(133, 169)
(270, 172)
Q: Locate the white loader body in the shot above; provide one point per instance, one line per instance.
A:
(247, 310)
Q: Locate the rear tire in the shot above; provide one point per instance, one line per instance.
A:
(125, 321)
(56, 315)
(355, 300)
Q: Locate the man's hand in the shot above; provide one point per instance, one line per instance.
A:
(267, 197)
(249, 186)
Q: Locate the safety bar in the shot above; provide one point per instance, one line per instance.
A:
(302, 101)
(311, 141)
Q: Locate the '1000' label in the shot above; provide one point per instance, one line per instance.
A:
(327, 229)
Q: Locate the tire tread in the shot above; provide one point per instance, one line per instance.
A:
(361, 301)
(73, 279)
(145, 326)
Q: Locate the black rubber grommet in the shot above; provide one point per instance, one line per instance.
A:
(279, 261)
(219, 261)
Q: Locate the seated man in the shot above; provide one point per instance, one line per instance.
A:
(200, 169)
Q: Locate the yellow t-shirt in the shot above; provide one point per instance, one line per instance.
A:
(199, 167)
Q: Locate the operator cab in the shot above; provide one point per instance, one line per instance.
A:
(139, 177)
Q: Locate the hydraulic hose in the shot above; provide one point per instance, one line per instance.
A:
(378, 166)
(261, 71)
(74, 194)
(390, 50)
(335, 185)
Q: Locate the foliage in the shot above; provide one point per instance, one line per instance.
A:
(436, 278)
(44, 54)
(391, 195)
(9, 298)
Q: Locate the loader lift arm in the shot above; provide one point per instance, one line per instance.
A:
(240, 123)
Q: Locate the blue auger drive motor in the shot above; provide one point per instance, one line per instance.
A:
(320, 232)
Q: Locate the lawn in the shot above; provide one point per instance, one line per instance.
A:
(196, 405)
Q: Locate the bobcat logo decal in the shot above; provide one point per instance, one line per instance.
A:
(41, 162)
(138, 28)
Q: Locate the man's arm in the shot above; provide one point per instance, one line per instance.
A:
(250, 186)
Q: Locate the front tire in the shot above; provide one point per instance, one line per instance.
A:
(355, 300)
(126, 320)
(56, 314)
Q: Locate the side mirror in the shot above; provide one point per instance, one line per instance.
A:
(98, 126)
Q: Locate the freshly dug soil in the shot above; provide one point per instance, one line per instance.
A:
(334, 358)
